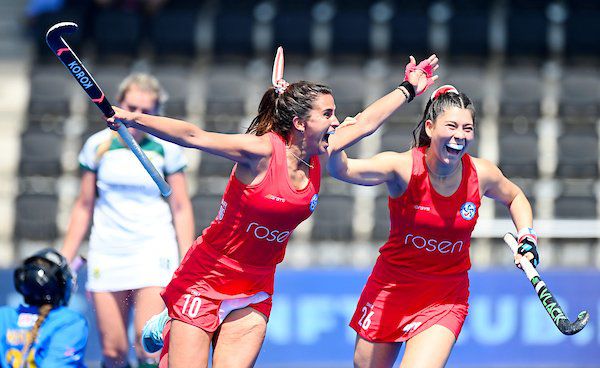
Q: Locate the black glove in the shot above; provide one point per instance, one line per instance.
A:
(528, 244)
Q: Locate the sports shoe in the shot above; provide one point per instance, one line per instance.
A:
(152, 340)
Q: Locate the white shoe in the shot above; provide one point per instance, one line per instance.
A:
(152, 340)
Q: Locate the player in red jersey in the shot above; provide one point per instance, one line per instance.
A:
(221, 293)
(419, 288)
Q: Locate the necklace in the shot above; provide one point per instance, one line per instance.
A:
(438, 175)
(443, 176)
(298, 158)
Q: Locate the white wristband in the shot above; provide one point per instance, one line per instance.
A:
(527, 232)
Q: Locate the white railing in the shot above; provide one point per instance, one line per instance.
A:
(552, 228)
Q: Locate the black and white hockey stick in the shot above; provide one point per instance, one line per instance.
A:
(548, 300)
(64, 52)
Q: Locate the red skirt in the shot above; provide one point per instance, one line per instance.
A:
(208, 284)
(397, 303)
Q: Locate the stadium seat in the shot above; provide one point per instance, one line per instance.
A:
(410, 15)
(333, 218)
(109, 77)
(292, 16)
(35, 216)
(350, 29)
(577, 200)
(40, 153)
(527, 28)
(176, 82)
(579, 95)
(206, 208)
(581, 29)
(575, 253)
(72, 11)
(527, 186)
(47, 124)
(348, 85)
(471, 80)
(50, 93)
(213, 165)
(578, 151)
(233, 27)
(117, 33)
(468, 29)
(518, 149)
(225, 97)
(521, 93)
(410, 113)
(381, 228)
(397, 137)
(172, 33)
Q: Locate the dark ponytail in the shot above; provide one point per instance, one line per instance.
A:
(436, 108)
(276, 112)
(263, 122)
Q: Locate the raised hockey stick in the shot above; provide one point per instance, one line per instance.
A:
(66, 55)
(548, 300)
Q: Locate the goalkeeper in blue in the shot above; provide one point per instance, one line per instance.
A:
(43, 332)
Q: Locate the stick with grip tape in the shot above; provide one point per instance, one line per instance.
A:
(66, 55)
(548, 300)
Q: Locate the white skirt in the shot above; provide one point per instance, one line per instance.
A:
(150, 265)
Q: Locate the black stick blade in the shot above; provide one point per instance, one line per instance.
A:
(571, 328)
(54, 34)
(61, 48)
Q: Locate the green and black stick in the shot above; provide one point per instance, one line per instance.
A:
(548, 300)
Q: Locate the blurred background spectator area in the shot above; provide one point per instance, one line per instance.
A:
(532, 68)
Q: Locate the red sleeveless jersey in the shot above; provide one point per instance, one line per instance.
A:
(255, 222)
(431, 233)
(236, 255)
(420, 278)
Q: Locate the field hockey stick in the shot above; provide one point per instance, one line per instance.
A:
(548, 300)
(77, 263)
(66, 55)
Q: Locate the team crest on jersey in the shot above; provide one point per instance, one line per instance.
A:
(222, 210)
(313, 202)
(468, 210)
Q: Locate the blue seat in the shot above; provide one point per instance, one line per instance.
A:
(350, 30)
(117, 33)
(527, 28)
(469, 28)
(410, 15)
(172, 33)
(582, 29)
(233, 26)
(291, 17)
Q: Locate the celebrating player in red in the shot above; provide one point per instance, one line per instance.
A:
(419, 288)
(221, 293)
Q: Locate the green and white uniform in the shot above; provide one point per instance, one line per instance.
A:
(133, 242)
